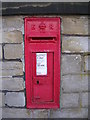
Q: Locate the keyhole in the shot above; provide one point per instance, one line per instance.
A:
(37, 82)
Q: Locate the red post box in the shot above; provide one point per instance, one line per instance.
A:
(42, 62)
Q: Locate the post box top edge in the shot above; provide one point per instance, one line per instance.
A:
(42, 18)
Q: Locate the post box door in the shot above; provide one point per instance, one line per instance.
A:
(43, 77)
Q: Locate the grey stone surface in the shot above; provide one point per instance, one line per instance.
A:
(1, 99)
(75, 83)
(16, 99)
(87, 63)
(0, 36)
(12, 84)
(81, 113)
(75, 25)
(10, 23)
(41, 113)
(14, 36)
(71, 64)
(59, 114)
(74, 44)
(0, 51)
(24, 113)
(70, 100)
(0, 83)
(0, 113)
(70, 113)
(85, 99)
(13, 51)
(16, 113)
(11, 68)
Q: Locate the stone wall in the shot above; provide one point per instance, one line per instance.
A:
(74, 70)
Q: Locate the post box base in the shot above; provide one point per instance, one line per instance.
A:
(43, 106)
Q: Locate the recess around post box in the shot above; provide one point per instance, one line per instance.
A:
(42, 62)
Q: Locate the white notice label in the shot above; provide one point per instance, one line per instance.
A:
(41, 63)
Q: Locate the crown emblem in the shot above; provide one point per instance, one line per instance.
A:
(42, 26)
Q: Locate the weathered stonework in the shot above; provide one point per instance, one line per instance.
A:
(75, 25)
(24, 113)
(1, 100)
(69, 100)
(13, 51)
(0, 113)
(70, 113)
(0, 51)
(75, 83)
(12, 84)
(15, 113)
(74, 70)
(14, 36)
(85, 99)
(87, 63)
(71, 64)
(74, 44)
(16, 99)
(40, 113)
(12, 23)
(12, 68)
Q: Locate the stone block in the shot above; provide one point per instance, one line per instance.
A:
(84, 99)
(24, 113)
(0, 113)
(11, 68)
(87, 63)
(1, 41)
(1, 99)
(10, 23)
(40, 113)
(70, 113)
(16, 99)
(74, 44)
(71, 64)
(16, 113)
(75, 25)
(69, 100)
(1, 52)
(59, 114)
(80, 113)
(0, 82)
(75, 83)
(13, 51)
(12, 84)
(15, 36)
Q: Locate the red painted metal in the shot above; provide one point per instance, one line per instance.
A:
(42, 35)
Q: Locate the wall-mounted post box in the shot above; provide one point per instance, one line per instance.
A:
(42, 62)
